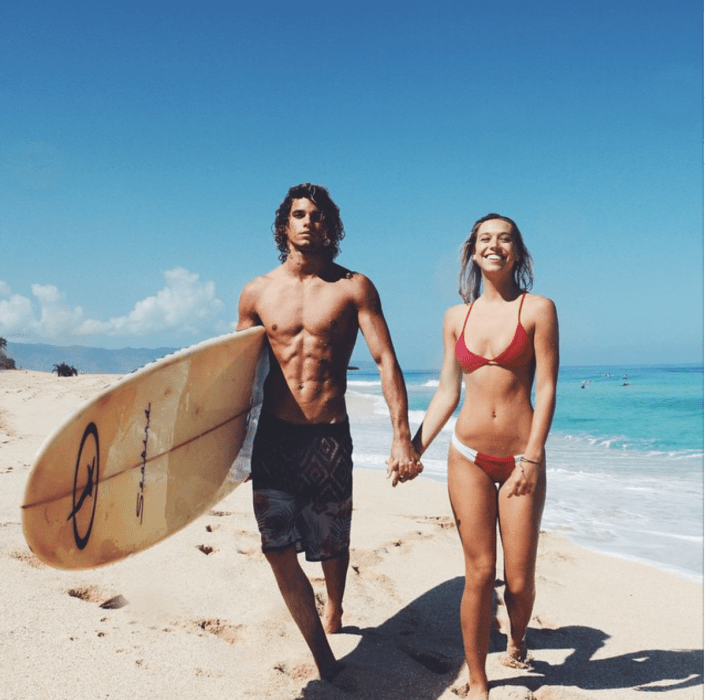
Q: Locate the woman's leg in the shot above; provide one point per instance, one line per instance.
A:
(473, 497)
(519, 523)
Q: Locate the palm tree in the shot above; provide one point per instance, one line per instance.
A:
(64, 370)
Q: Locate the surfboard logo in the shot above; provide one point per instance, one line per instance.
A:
(139, 507)
(85, 486)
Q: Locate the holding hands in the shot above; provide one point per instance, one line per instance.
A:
(404, 462)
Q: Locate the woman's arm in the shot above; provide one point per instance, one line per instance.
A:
(546, 352)
(447, 395)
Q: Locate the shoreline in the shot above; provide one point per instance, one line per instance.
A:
(673, 571)
(363, 406)
(360, 405)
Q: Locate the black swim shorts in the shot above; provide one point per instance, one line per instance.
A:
(302, 486)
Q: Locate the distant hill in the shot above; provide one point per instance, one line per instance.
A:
(42, 358)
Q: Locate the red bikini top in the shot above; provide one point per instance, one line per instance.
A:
(518, 354)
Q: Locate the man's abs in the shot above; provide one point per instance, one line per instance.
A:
(305, 397)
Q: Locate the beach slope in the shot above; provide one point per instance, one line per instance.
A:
(199, 615)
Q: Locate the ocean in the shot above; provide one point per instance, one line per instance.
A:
(624, 457)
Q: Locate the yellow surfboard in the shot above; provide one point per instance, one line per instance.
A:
(146, 456)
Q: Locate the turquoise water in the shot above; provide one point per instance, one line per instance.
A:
(625, 457)
(653, 408)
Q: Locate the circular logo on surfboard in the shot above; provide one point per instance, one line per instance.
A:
(85, 486)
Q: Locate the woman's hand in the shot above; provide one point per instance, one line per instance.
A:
(524, 478)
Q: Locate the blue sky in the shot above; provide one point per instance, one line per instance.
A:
(146, 145)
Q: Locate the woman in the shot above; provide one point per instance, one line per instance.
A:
(500, 340)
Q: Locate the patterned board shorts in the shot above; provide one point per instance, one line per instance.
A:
(302, 486)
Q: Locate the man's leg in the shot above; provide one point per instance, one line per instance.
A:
(299, 597)
(335, 572)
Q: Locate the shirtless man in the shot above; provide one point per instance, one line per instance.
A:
(312, 309)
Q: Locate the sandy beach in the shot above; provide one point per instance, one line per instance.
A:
(200, 616)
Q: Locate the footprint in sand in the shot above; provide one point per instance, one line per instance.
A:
(208, 673)
(93, 594)
(444, 522)
(115, 603)
(27, 558)
(220, 628)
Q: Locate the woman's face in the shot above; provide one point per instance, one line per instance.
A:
(495, 249)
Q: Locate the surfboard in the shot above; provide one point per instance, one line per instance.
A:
(147, 455)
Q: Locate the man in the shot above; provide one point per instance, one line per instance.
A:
(312, 309)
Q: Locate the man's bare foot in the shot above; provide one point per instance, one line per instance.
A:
(332, 619)
(516, 656)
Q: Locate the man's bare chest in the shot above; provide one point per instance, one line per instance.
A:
(318, 313)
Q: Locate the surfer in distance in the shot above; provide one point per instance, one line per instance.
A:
(312, 310)
(500, 341)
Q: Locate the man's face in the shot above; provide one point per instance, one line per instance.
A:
(305, 230)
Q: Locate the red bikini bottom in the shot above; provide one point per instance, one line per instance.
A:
(499, 469)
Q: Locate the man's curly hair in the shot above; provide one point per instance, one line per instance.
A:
(330, 219)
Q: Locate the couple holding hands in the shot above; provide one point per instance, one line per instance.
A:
(502, 341)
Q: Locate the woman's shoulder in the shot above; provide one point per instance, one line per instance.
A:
(538, 306)
(454, 318)
(453, 313)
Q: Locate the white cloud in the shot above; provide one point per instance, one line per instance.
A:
(183, 304)
(56, 319)
(15, 314)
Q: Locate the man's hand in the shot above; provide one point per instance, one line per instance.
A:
(404, 462)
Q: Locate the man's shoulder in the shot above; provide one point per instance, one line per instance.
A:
(355, 277)
(262, 281)
(255, 291)
(338, 273)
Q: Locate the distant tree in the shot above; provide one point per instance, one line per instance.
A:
(64, 370)
(5, 361)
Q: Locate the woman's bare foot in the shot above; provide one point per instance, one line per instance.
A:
(474, 693)
(517, 656)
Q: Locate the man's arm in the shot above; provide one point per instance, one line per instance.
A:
(404, 460)
(247, 314)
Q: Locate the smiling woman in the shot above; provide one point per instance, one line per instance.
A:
(496, 464)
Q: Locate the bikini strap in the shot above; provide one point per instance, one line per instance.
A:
(466, 318)
(523, 296)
